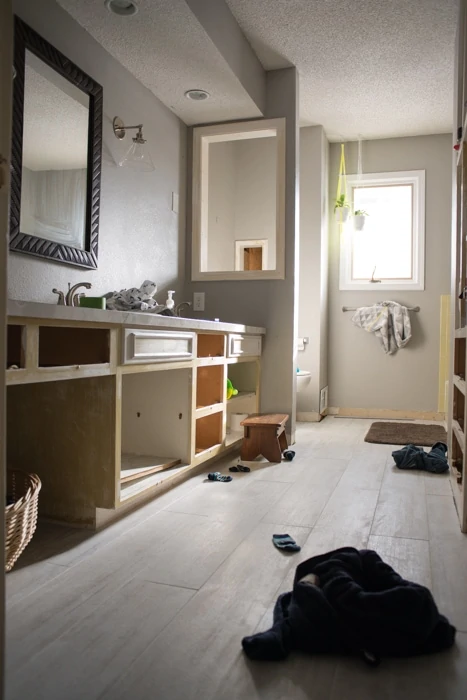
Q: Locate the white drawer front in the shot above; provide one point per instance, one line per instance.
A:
(157, 346)
(244, 345)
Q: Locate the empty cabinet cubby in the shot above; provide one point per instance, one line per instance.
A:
(458, 408)
(156, 425)
(61, 346)
(15, 354)
(208, 432)
(211, 345)
(459, 357)
(209, 385)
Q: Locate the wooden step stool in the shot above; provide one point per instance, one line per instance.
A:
(264, 435)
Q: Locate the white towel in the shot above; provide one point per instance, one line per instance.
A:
(389, 321)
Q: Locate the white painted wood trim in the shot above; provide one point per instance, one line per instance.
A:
(134, 340)
(204, 135)
(309, 417)
(386, 414)
(416, 178)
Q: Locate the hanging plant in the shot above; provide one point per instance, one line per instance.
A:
(342, 208)
(341, 204)
(359, 219)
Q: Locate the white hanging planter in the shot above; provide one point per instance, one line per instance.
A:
(342, 214)
(359, 222)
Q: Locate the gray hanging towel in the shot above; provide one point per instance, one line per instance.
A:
(389, 321)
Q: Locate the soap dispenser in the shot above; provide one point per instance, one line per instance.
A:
(170, 303)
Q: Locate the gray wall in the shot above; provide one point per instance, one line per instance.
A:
(242, 198)
(272, 303)
(360, 374)
(313, 296)
(140, 237)
(255, 208)
(222, 178)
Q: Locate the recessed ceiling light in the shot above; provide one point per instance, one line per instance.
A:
(197, 95)
(124, 8)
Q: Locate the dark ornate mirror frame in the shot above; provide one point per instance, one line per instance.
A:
(27, 38)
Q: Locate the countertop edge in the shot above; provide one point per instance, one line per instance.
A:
(38, 310)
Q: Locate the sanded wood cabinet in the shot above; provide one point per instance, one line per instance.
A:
(110, 415)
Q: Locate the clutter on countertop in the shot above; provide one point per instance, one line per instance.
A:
(170, 303)
(350, 601)
(135, 299)
(412, 457)
(93, 302)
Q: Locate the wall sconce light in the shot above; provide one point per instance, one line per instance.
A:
(137, 157)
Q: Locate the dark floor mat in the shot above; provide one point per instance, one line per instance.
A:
(392, 433)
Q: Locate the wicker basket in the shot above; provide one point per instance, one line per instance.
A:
(21, 515)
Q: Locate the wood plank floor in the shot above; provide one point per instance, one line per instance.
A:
(155, 606)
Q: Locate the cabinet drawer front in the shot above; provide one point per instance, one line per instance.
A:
(244, 345)
(157, 346)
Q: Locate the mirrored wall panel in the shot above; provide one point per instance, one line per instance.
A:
(238, 200)
(55, 154)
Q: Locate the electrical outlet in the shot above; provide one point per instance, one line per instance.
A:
(323, 399)
(198, 301)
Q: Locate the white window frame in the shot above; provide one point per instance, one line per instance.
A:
(416, 178)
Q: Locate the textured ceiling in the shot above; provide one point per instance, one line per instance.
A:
(55, 124)
(375, 68)
(165, 47)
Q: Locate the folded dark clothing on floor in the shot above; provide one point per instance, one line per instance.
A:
(412, 457)
(350, 601)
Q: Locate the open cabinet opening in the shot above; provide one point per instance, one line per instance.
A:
(151, 447)
(210, 345)
(208, 432)
(244, 377)
(15, 356)
(209, 386)
(64, 347)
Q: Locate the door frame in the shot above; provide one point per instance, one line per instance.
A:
(240, 246)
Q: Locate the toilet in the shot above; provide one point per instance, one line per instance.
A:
(303, 379)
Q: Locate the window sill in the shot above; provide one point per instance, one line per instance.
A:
(383, 287)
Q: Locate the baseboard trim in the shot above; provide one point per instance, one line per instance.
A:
(386, 414)
(309, 417)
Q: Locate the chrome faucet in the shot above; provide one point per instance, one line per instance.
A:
(179, 307)
(71, 298)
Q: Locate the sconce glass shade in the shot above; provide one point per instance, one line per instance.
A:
(138, 157)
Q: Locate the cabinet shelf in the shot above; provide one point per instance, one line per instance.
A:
(203, 411)
(136, 466)
(460, 332)
(232, 437)
(136, 487)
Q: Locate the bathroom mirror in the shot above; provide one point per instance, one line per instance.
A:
(239, 200)
(56, 154)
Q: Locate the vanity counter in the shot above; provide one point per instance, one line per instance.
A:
(110, 408)
(138, 319)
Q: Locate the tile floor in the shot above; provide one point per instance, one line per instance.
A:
(155, 606)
